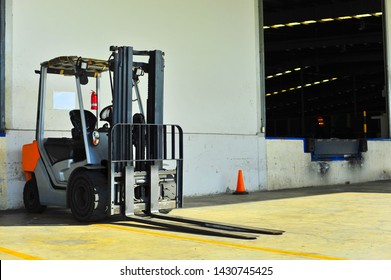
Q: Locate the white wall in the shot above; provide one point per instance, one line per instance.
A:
(289, 167)
(211, 76)
(210, 51)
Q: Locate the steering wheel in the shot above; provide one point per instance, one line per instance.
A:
(107, 114)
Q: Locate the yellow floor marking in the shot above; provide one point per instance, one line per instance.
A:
(19, 254)
(366, 194)
(221, 243)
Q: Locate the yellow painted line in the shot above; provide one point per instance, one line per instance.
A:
(363, 194)
(222, 243)
(19, 254)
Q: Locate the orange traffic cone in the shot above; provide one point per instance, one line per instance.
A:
(240, 189)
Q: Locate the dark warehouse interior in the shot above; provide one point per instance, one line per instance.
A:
(324, 68)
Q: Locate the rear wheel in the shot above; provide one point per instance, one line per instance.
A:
(88, 195)
(31, 197)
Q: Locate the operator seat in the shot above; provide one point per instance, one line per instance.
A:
(59, 149)
(77, 130)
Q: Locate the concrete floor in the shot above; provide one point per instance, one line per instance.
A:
(335, 222)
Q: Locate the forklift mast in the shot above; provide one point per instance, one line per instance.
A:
(138, 147)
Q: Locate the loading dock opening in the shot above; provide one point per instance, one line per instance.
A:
(324, 66)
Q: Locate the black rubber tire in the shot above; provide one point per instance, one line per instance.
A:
(164, 211)
(31, 197)
(87, 195)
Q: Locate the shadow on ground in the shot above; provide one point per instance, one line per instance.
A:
(63, 217)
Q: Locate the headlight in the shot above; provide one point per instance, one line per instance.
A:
(95, 137)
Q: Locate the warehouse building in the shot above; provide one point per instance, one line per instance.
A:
(293, 93)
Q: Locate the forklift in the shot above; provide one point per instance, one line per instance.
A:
(131, 165)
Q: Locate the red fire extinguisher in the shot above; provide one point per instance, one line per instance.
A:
(94, 100)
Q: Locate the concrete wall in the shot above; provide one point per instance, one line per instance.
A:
(216, 159)
(212, 83)
(210, 46)
(289, 167)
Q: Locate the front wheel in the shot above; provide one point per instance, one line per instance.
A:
(31, 197)
(87, 195)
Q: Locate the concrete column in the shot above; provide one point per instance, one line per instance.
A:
(2, 65)
(387, 54)
(261, 69)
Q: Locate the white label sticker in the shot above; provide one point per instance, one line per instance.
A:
(63, 100)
